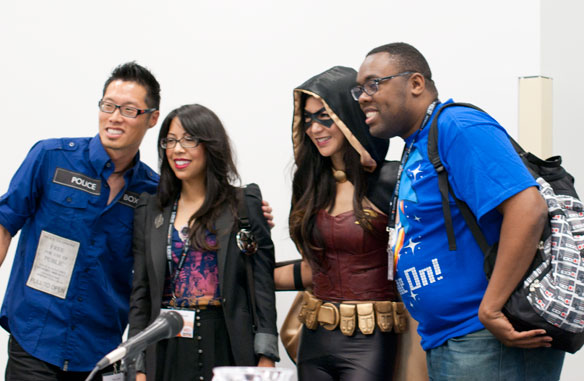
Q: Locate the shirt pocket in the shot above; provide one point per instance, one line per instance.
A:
(68, 197)
(65, 208)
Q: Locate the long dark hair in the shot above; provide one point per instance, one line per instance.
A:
(221, 173)
(314, 188)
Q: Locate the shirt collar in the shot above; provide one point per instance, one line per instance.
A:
(101, 161)
(427, 123)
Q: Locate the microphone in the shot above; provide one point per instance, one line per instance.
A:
(167, 325)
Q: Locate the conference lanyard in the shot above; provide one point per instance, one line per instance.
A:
(392, 257)
(181, 262)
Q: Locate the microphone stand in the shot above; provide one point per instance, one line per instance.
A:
(130, 369)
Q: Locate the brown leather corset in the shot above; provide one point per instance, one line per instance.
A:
(355, 260)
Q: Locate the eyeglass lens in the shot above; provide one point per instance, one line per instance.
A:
(110, 108)
(185, 142)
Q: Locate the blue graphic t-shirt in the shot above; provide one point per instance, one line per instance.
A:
(443, 289)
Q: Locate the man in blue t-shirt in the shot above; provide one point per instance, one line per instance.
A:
(73, 200)
(463, 330)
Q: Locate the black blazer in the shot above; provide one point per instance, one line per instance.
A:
(149, 248)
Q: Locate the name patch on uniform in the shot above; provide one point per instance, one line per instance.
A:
(130, 199)
(78, 181)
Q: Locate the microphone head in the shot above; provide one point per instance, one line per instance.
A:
(175, 322)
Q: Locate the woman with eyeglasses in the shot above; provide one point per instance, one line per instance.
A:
(340, 201)
(187, 257)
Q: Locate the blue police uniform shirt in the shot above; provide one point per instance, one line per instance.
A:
(443, 289)
(61, 188)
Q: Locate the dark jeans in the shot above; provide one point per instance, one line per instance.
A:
(24, 367)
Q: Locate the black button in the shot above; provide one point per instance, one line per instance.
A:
(80, 299)
(68, 199)
(73, 327)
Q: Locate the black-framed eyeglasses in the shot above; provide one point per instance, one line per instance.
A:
(372, 86)
(186, 141)
(127, 111)
(321, 117)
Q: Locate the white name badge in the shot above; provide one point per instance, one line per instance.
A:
(391, 241)
(53, 264)
(113, 377)
(189, 323)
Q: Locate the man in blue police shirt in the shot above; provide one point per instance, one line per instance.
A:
(73, 199)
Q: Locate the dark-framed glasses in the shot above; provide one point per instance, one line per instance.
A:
(127, 111)
(186, 141)
(372, 86)
(321, 117)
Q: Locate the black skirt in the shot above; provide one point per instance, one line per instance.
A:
(186, 359)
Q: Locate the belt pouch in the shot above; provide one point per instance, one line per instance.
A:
(347, 319)
(400, 320)
(384, 315)
(302, 312)
(328, 316)
(310, 310)
(366, 318)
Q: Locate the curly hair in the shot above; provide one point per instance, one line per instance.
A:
(408, 58)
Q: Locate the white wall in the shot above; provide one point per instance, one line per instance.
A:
(562, 38)
(242, 59)
(561, 58)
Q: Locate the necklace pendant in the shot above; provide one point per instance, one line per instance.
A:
(340, 176)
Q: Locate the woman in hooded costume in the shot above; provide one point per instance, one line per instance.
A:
(338, 219)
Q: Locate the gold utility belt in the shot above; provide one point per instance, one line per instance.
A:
(388, 315)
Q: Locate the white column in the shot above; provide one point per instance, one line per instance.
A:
(535, 115)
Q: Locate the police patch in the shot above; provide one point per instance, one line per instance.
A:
(130, 199)
(78, 181)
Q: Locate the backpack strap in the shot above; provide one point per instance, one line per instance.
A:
(245, 226)
(445, 187)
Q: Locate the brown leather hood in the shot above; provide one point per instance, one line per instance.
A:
(332, 88)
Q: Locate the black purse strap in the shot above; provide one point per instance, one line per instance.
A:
(248, 247)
